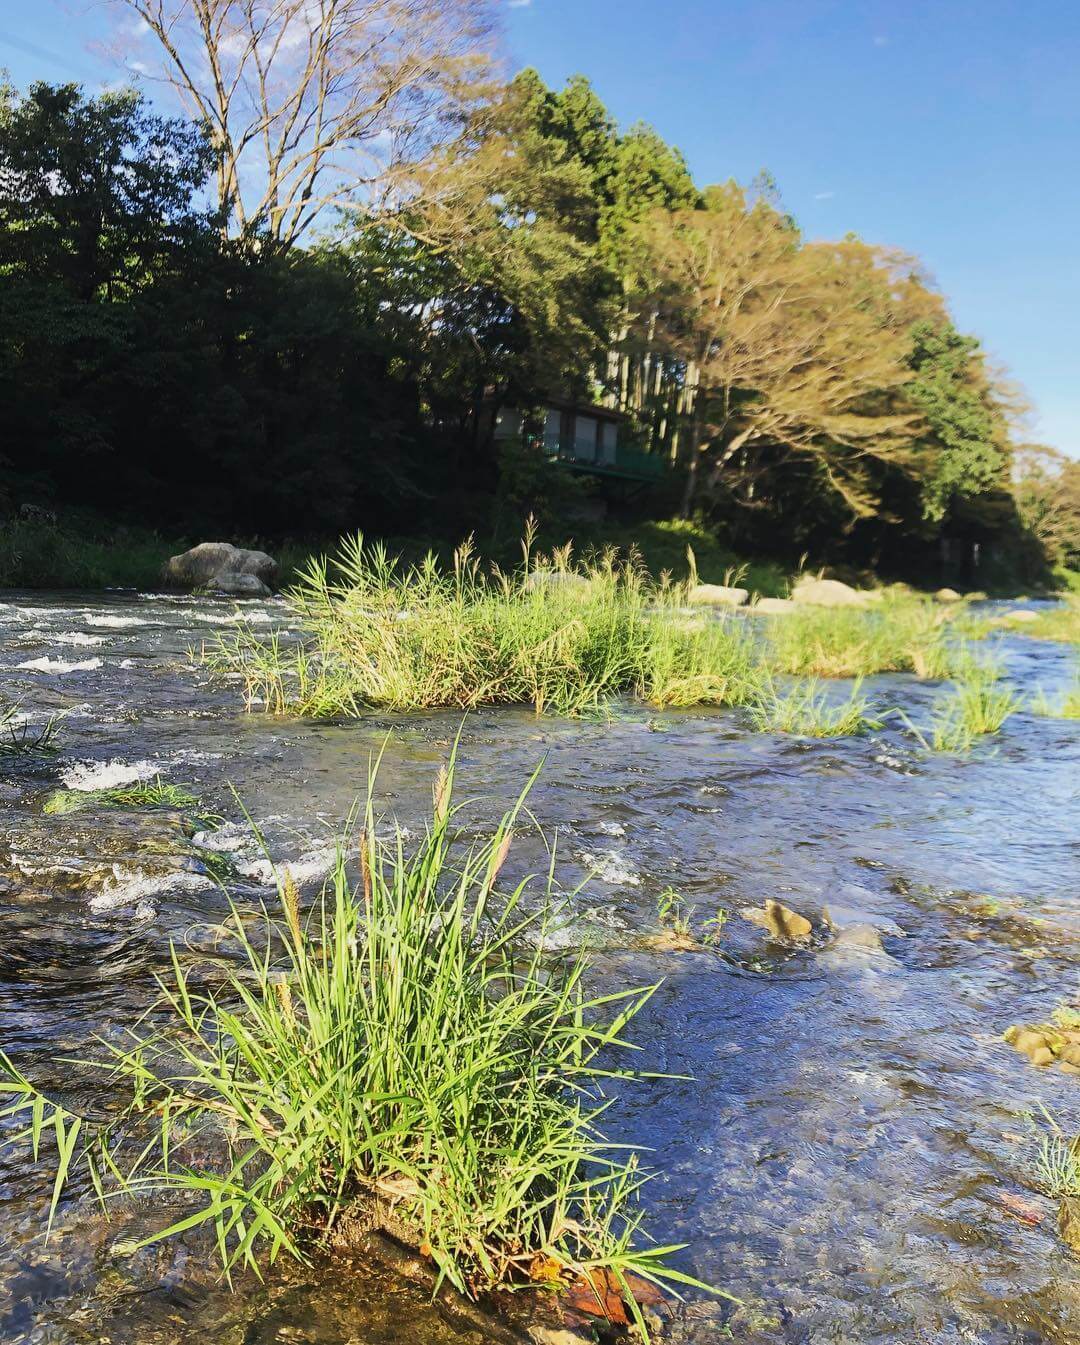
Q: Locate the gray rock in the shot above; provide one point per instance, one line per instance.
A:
(718, 595)
(844, 917)
(239, 585)
(223, 567)
(828, 593)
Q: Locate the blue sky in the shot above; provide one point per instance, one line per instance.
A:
(945, 127)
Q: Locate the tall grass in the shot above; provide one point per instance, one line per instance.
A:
(897, 635)
(409, 1053)
(559, 636)
(549, 635)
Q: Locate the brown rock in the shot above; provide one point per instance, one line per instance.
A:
(784, 923)
(1069, 1222)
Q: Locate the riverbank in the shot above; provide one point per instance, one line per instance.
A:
(87, 552)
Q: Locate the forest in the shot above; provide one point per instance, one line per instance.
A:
(296, 311)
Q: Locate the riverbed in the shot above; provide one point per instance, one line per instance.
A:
(842, 1127)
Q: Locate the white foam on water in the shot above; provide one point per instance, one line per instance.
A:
(311, 865)
(611, 866)
(88, 775)
(133, 887)
(113, 622)
(72, 637)
(58, 665)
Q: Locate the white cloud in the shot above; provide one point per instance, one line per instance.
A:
(518, 4)
(824, 195)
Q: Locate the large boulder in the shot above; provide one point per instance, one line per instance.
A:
(718, 595)
(773, 607)
(828, 593)
(222, 568)
(947, 595)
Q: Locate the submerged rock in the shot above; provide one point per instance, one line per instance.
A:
(829, 593)
(222, 568)
(719, 595)
(844, 917)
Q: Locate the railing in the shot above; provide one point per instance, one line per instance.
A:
(588, 456)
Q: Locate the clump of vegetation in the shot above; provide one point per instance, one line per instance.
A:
(38, 553)
(156, 793)
(673, 912)
(408, 1053)
(977, 707)
(896, 635)
(806, 710)
(19, 738)
(1068, 707)
(560, 636)
(1061, 622)
(553, 635)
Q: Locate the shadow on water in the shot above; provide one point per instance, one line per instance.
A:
(838, 1124)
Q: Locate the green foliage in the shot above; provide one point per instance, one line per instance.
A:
(156, 793)
(969, 452)
(672, 911)
(407, 1053)
(806, 710)
(36, 554)
(20, 738)
(563, 639)
(898, 635)
(977, 707)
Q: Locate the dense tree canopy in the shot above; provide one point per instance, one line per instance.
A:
(800, 395)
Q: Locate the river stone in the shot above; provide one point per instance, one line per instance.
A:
(828, 593)
(1023, 614)
(861, 936)
(781, 922)
(1069, 1222)
(843, 917)
(719, 595)
(222, 566)
(773, 606)
(947, 595)
(239, 585)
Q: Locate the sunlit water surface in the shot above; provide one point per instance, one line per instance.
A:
(850, 1120)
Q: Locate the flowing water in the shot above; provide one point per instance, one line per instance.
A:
(849, 1121)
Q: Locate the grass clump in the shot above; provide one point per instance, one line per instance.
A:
(1068, 707)
(806, 710)
(1061, 622)
(552, 635)
(977, 707)
(409, 1053)
(155, 793)
(901, 634)
(19, 738)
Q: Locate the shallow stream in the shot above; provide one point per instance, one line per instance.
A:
(838, 1155)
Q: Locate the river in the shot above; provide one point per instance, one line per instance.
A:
(850, 1119)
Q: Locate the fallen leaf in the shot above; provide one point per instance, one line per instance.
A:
(1022, 1208)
